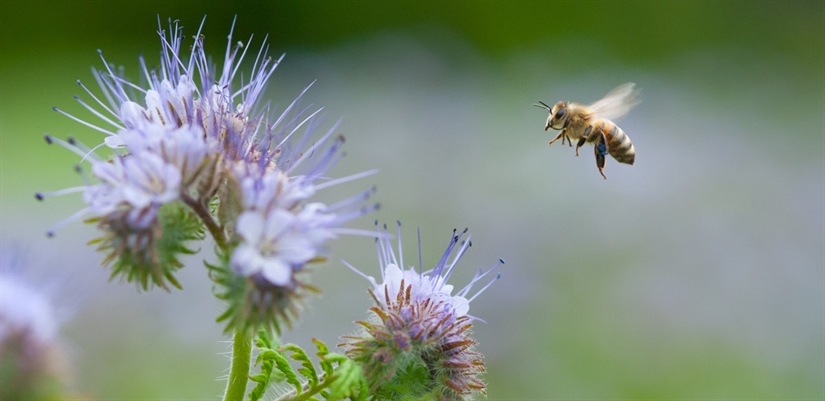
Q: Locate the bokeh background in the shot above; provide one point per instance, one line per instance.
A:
(698, 273)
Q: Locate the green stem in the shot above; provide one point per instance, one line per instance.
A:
(308, 392)
(203, 212)
(239, 371)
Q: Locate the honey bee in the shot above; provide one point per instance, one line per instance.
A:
(592, 124)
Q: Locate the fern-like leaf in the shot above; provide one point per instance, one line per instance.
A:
(340, 377)
(307, 368)
(266, 358)
(348, 379)
(282, 364)
(323, 351)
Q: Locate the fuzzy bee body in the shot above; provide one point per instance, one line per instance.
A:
(592, 124)
(618, 143)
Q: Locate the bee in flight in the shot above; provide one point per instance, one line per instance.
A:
(592, 124)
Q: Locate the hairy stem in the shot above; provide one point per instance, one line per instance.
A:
(241, 342)
(239, 371)
(203, 212)
(308, 392)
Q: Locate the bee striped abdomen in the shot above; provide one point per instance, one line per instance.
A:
(619, 145)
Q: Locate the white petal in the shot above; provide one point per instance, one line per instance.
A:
(392, 280)
(461, 305)
(136, 197)
(278, 221)
(446, 289)
(277, 272)
(296, 249)
(109, 173)
(114, 141)
(246, 260)
(392, 273)
(103, 199)
(250, 226)
(154, 105)
(132, 115)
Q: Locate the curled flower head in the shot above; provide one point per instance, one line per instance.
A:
(417, 342)
(194, 150)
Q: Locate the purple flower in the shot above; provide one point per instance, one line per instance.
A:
(280, 231)
(275, 244)
(418, 342)
(197, 135)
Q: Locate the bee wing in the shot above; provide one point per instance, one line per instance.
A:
(617, 102)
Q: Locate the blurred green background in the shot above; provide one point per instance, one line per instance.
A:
(698, 273)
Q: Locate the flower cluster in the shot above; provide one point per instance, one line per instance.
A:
(417, 343)
(194, 151)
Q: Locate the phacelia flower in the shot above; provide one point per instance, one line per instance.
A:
(417, 343)
(279, 233)
(195, 150)
(170, 139)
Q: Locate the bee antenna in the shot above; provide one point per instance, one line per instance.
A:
(542, 105)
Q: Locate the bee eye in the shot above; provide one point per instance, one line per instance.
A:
(560, 113)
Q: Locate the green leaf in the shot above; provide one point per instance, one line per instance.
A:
(263, 341)
(307, 368)
(323, 351)
(266, 358)
(342, 377)
(348, 379)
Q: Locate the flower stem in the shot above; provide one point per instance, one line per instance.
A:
(239, 371)
(310, 392)
(203, 212)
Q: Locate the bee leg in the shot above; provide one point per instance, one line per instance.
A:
(601, 151)
(580, 144)
(561, 135)
(583, 139)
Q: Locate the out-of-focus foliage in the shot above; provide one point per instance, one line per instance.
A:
(634, 32)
